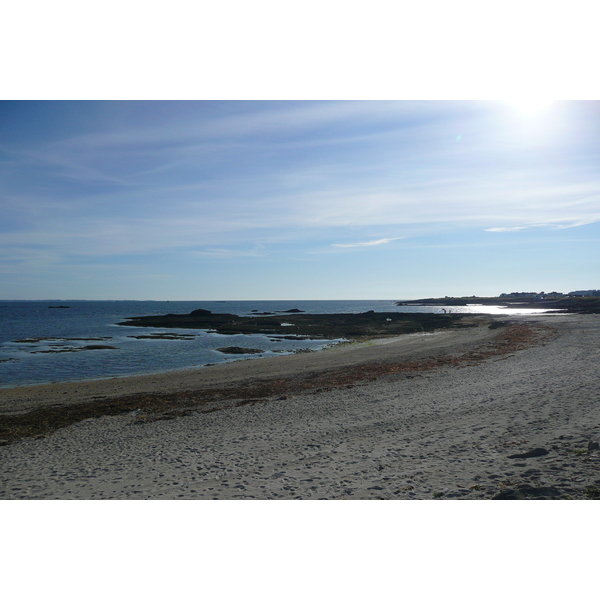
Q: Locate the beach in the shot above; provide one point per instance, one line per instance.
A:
(510, 411)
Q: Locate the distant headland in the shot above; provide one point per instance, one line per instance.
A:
(583, 302)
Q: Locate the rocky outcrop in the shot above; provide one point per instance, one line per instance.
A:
(238, 350)
(319, 326)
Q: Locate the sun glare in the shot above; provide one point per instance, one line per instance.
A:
(530, 107)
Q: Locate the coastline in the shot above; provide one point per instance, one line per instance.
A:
(352, 423)
(37, 347)
(239, 372)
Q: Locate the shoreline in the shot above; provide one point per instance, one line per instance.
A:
(307, 331)
(410, 346)
(445, 416)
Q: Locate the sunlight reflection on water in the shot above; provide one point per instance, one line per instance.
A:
(480, 309)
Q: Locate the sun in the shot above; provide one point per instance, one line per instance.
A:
(530, 106)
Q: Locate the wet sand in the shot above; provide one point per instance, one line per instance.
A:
(434, 416)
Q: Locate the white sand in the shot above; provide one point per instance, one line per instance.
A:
(443, 433)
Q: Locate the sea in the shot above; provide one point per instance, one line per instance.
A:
(41, 343)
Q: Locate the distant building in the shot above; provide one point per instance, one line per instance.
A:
(533, 295)
(585, 293)
(520, 295)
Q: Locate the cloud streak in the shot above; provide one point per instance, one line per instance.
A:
(367, 244)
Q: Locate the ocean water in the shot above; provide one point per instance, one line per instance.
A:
(39, 344)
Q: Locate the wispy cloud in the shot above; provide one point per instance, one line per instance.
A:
(500, 229)
(559, 224)
(365, 244)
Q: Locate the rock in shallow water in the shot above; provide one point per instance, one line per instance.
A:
(238, 350)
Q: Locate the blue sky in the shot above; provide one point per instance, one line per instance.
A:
(211, 200)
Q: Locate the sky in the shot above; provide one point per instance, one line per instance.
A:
(260, 200)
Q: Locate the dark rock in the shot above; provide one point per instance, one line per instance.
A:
(540, 492)
(55, 351)
(200, 311)
(59, 307)
(593, 446)
(292, 310)
(592, 492)
(238, 350)
(59, 349)
(99, 347)
(528, 492)
(163, 336)
(531, 453)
